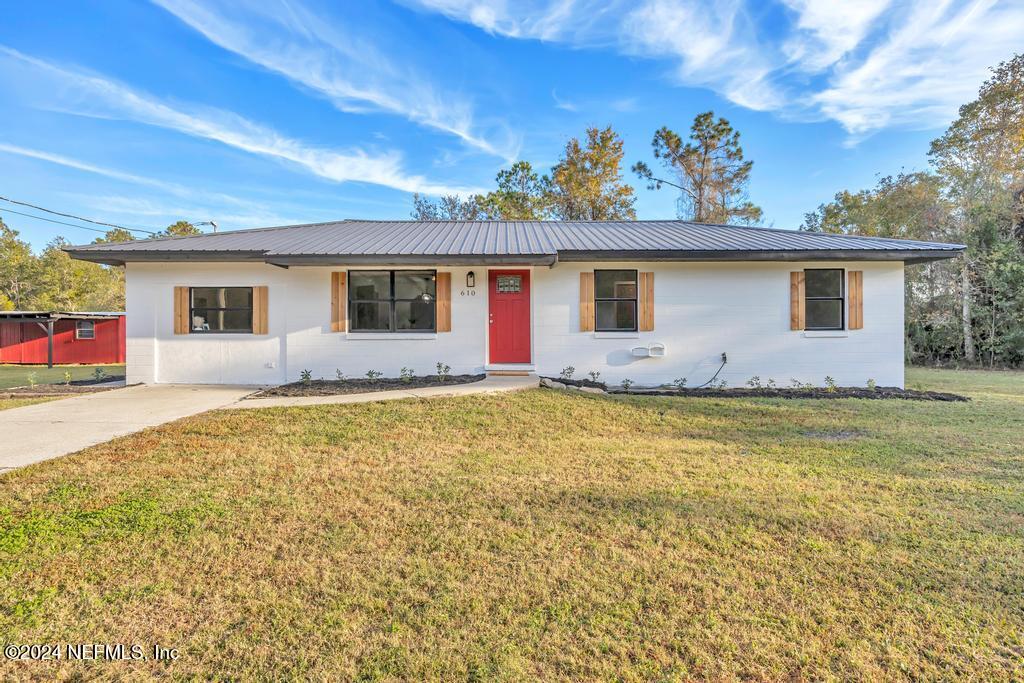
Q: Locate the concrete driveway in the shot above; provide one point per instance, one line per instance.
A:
(49, 430)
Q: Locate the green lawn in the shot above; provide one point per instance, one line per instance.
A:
(537, 535)
(17, 375)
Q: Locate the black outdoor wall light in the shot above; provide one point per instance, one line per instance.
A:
(470, 279)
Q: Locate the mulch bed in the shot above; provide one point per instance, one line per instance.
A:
(812, 392)
(80, 386)
(333, 387)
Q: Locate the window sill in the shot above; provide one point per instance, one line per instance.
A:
(616, 335)
(826, 334)
(391, 336)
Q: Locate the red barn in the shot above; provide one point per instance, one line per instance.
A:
(61, 338)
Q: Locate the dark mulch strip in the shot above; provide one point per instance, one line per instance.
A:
(817, 392)
(811, 392)
(333, 387)
(81, 386)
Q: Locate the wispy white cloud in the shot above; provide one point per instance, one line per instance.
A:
(340, 65)
(564, 105)
(72, 91)
(868, 64)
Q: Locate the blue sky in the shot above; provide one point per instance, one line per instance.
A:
(268, 113)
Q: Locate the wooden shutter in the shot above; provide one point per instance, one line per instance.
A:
(587, 301)
(339, 302)
(259, 310)
(646, 296)
(181, 312)
(797, 310)
(855, 294)
(444, 302)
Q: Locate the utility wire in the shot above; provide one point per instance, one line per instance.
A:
(77, 218)
(50, 220)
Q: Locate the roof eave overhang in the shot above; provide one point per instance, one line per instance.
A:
(411, 259)
(904, 255)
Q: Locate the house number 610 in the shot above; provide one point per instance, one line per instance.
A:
(471, 292)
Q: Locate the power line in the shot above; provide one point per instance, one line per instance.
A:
(50, 220)
(77, 218)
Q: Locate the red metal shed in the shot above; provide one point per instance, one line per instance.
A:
(60, 337)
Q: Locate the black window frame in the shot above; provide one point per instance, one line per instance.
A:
(391, 301)
(841, 299)
(92, 330)
(192, 308)
(635, 299)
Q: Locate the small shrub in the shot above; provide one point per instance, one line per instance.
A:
(872, 386)
(33, 379)
(406, 374)
(567, 373)
(67, 378)
(373, 375)
(797, 384)
(595, 376)
(770, 383)
(626, 384)
(98, 374)
(830, 385)
(679, 383)
(339, 375)
(721, 384)
(443, 371)
(306, 376)
(754, 382)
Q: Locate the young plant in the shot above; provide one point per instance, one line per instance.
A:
(720, 385)
(98, 374)
(406, 374)
(374, 375)
(626, 384)
(797, 384)
(339, 375)
(830, 385)
(872, 386)
(443, 371)
(595, 376)
(679, 383)
(567, 372)
(67, 378)
(306, 376)
(770, 383)
(33, 380)
(754, 382)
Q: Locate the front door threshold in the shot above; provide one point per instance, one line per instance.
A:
(510, 369)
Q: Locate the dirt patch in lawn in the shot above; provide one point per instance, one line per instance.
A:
(82, 386)
(333, 387)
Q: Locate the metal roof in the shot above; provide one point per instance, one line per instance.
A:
(508, 242)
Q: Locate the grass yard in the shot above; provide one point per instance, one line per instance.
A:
(17, 375)
(6, 403)
(537, 535)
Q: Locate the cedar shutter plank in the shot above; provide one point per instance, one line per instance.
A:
(259, 310)
(797, 310)
(587, 301)
(339, 302)
(181, 310)
(444, 302)
(646, 302)
(856, 292)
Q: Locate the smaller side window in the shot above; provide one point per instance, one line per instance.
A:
(615, 300)
(824, 297)
(85, 329)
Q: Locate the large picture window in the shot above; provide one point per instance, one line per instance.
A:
(220, 309)
(392, 300)
(824, 299)
(615, 300)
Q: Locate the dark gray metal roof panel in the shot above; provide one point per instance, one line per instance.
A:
(463, 239)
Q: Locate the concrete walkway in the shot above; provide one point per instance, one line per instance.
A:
(490, 385)
(49, 430)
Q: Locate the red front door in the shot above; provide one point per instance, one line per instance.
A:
(509, 315)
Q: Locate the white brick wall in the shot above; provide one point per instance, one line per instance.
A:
(701, 310)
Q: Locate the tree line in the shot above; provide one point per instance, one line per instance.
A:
(971, 309)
